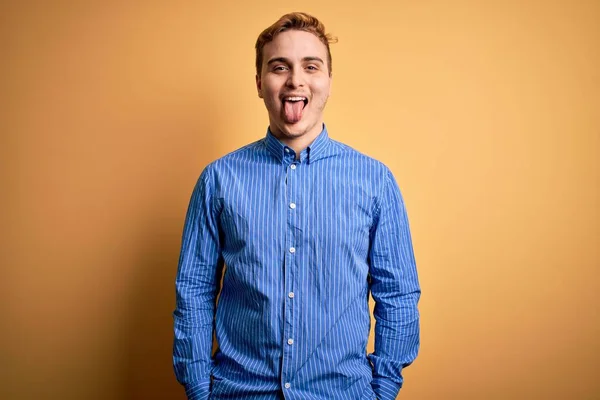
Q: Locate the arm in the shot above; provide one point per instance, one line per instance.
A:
(395, 289)
(200, 266)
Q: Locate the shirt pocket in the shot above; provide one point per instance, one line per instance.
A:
(251, 248)
(341, 245)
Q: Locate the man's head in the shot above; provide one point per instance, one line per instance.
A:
(293, 21)
(293, 74)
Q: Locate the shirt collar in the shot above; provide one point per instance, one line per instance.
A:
(319, 148)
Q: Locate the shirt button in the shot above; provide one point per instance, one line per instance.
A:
(287, 150)
(291, 295)
(292, 205)
(290, 341)
(287, 385)
(292, 250)
(293, 166)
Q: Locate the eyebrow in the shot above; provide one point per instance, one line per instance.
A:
(287, 61)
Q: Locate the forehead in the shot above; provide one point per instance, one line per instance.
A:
(295, 45)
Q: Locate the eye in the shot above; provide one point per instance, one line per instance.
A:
(312, 68)
(279, 68)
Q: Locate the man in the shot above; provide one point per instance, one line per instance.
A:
(306, 227)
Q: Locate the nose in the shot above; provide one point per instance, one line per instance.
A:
(295, 78)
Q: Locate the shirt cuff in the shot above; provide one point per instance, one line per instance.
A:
(385, 389)
(198, 390)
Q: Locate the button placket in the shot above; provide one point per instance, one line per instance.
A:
(290, 269)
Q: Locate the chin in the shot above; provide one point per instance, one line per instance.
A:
(295, 130)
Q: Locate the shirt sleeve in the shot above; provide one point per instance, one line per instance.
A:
(396, 291)
(196, 286)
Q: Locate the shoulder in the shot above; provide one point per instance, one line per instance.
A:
(369, 171)
(235, 158)
(360, 161)
(249, 151)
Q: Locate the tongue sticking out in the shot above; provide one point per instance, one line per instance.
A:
(293, 111)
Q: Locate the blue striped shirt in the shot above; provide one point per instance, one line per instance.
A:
(298, 244)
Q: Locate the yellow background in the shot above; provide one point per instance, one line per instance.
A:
(487, 112)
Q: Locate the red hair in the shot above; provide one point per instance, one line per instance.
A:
(293, 21)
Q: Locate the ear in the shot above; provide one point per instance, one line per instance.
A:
(259, 86)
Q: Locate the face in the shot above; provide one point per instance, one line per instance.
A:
(294, 84)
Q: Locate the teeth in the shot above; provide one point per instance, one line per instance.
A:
(294, 98)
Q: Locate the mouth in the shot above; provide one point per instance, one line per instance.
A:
(295, 99)
(293, 107)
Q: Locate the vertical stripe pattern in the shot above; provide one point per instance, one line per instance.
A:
(302, 241)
